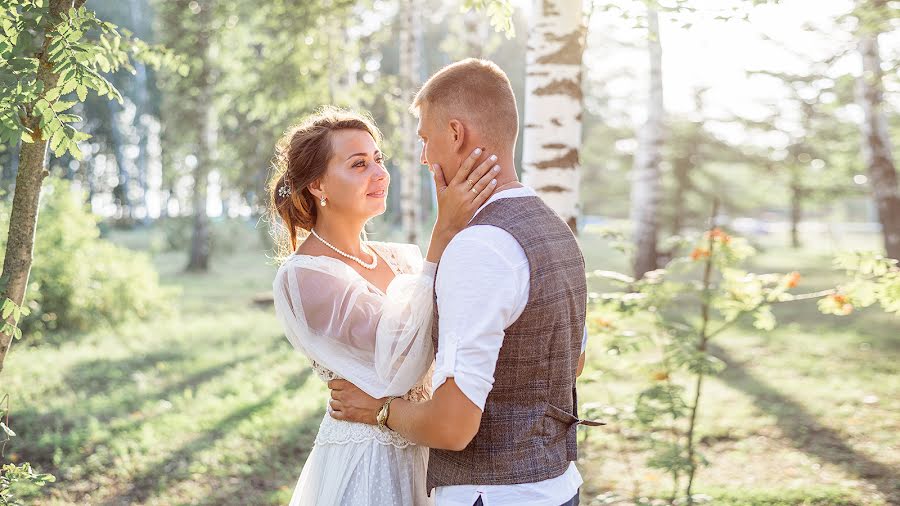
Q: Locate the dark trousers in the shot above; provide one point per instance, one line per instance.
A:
(571, 502)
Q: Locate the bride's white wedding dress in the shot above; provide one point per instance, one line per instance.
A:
(381, 343)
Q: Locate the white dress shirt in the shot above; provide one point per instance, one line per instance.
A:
(482, 287)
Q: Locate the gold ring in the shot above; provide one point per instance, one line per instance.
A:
(474, 191)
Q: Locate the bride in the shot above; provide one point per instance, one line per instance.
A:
(360, 310)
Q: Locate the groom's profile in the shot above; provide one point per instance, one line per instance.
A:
(510, 301)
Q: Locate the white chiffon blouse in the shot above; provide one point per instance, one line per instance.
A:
(379, 341)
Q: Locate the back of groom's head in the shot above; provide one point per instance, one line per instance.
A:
(475, 91)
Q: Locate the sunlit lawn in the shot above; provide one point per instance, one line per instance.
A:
(808, 412)
(210, 405)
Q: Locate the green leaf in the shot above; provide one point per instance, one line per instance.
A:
(764, 319)
(52, 94)
(81, 90)
(55, 141)
(69, 87)
(8, 307)
(62, 105)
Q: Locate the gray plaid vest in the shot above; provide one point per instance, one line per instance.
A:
(528, 429)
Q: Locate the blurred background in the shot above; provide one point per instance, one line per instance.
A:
(151, 369)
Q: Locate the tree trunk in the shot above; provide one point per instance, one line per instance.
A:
(32, 171)
(796, 213)
(410, 171)
(142, 120)
(200, 238)
(553, 106)
(876, 145)
(120, 192)
(646, 191)
(681, 171)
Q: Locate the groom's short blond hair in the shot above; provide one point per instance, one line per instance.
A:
(475, 90)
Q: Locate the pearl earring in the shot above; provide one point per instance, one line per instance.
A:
(322, 201)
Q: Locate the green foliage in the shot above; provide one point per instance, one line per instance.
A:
(80, 281)
(650, 314)
(500, 12)
(10, 308)
(11, 474)
(80, 48)
(875, 280)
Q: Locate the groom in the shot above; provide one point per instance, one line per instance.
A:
(511, 296)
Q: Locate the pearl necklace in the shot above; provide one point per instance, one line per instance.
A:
(370, 266)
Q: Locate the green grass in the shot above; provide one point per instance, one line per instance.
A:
(212, 406)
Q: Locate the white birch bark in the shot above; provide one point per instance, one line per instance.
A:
(410, 171)
(553, 105)
(646, 191)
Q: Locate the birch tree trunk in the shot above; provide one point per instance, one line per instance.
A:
(646, 190)
(553, 105)
(32, 171)
(876, 145)
(410, 172)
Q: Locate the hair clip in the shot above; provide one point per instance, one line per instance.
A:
(284, 190)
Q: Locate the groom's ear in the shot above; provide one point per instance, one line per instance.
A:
(457, 135)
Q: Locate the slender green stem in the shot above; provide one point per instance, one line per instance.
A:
(701, 346)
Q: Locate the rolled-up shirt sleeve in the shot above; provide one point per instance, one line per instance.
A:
(481, 287)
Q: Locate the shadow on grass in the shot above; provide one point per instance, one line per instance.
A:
(68, 421)
(103, 375)
(174, 467)
(805, 431)
(277, 466)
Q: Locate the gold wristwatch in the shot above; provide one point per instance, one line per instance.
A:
(383, 414)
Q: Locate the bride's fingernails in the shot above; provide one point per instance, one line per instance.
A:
(496, 168)
(477, 151)
(493, 181)
(493, 158)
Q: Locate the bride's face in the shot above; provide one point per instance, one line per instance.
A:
(356, 182)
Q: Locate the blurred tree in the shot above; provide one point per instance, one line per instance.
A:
(815, 163)
(646, 187)
(410, 27)
(874, 18)
(191, 27)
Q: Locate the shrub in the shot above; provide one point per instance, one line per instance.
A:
(79, 281)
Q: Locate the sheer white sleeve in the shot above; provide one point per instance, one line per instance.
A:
(380, 343)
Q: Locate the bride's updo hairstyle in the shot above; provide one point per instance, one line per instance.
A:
(301, 157)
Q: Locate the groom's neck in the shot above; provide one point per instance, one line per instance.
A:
(507, 163)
